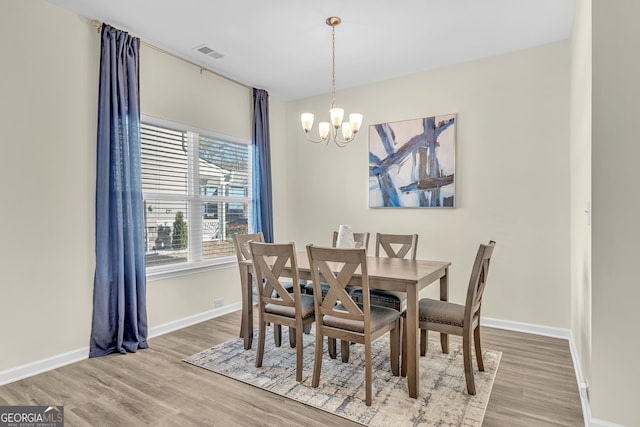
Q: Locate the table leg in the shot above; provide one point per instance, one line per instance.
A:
(411, 324)
(444, 296)
(247, 308)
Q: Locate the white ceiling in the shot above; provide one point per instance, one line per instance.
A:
(284, 46)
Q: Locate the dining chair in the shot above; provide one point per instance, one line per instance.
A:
(339, 317)
(243, 254)
(450, 318)
(361, 240)
(394, 246)
(275, 303)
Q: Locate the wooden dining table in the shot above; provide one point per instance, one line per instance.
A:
(392, 274)
(410, 276)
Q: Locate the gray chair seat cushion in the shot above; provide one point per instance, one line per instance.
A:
(436, 311)
(307, 309)
(380, 317)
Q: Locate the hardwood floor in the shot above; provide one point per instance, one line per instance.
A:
(535, 386)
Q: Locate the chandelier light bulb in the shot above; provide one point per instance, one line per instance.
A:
(336, 114)
(323, 129)
(347, 132)
(307, 121)
(355, 121)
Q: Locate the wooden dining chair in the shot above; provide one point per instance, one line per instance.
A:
(449, 318)
(339, 317)
(361, 240)
(243, 255)
(275, 303)
(397, 245)
(393, 246)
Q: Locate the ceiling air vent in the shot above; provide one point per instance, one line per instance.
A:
(206, 50)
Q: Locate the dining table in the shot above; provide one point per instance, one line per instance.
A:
(409, 276)
(391, 274)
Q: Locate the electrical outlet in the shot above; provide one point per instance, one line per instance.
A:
(587, 211)
(217, 303)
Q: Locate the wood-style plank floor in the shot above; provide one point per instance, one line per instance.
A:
(535, 386)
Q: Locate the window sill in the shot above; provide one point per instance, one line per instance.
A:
(168, 272)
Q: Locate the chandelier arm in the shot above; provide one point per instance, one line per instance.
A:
(316, 141)
(340, 144)
(340, 141)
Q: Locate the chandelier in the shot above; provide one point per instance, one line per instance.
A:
(335, 130)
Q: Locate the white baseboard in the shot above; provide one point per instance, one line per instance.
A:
(54, 362)
(192, 320)
(529, 328)
(43, 365)
(599, 423)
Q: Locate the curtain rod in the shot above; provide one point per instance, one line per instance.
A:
(98, 26)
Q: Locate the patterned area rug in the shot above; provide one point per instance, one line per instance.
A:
(443, 398)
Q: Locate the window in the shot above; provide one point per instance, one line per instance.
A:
(197, 196)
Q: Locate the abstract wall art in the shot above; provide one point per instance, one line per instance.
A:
(412, 163)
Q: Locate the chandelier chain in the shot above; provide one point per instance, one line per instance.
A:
(333, 66)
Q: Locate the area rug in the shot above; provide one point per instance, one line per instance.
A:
(443, 398)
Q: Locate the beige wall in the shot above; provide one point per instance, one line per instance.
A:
(580, 165)
(512, 177)
(175, 90)
(48, 98)
(615, 371)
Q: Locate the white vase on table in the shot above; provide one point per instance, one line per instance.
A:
(345, 237)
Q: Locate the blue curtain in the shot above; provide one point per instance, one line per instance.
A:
(262, 208)
(119, 295)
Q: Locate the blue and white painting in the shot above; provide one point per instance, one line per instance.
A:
(412, 163)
